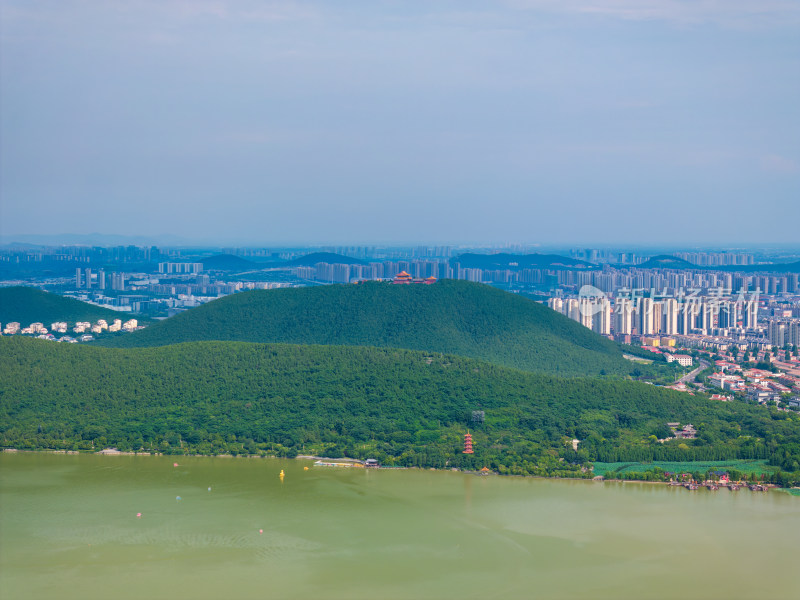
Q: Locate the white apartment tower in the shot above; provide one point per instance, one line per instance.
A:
(729, 314)
(645, 316)
(751, 313)
(623, 316)
(687, 316)
(777, 334)
(572, 309)
(585, 312)
(670, 316)
(657, 317)
(602, 318)
(556, 304)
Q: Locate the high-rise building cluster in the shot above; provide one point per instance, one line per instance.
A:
(419, 269)
(180, 267)
(783, 332)
(711, 259)
(625, 316)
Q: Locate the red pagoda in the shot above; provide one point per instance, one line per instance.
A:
(402, 278)
(468, 444)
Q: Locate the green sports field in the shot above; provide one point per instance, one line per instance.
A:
(745, 466)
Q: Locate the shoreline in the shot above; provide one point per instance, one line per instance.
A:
(344, 460)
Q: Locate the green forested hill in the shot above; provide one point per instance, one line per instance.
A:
(28, 305)
(404, 407)
(450, 316)
(327, 257)
(502, 260)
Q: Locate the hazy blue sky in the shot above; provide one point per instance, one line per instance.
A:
(552, 121)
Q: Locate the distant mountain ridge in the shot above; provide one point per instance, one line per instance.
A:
(230, 262)
(456, 317)
(665, 261)
(519, 261)
(309, 260)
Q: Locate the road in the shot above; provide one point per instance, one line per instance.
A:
(689, 377)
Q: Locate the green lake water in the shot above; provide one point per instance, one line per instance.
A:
(69, 529)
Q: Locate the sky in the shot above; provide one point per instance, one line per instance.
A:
(445, 121)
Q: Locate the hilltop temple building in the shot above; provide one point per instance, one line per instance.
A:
(403, 278)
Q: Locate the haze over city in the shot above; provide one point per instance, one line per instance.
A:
(284, 122)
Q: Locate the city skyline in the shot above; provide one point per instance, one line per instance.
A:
(596, 122)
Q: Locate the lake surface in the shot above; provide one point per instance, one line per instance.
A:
(69, 529)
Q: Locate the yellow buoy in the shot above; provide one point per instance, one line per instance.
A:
(305, 468)
(281, 475)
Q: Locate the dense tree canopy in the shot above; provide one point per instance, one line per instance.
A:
(403, 407)
(457, 317)
(28, 305)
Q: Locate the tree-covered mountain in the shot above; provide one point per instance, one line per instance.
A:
(229, 262)
(28, 305)
(403, 407)
(664, 261)
(456, 317)
(309, 260)
(502, 260)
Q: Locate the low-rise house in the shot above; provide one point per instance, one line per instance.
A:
(777, 387)
(12, 328)
(732, 383)
(760, 394)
